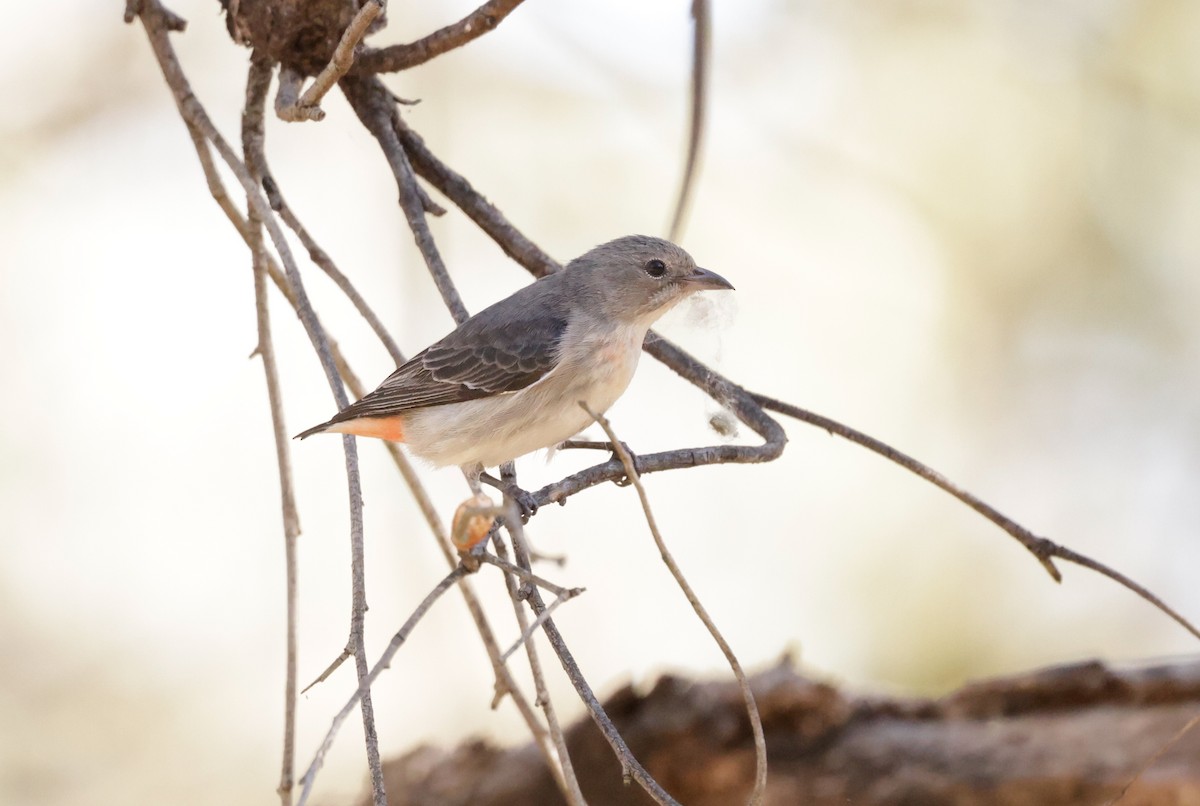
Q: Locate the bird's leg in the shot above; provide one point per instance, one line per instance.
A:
(605, 445)
(507, 484)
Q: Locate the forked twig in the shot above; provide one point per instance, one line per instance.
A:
(756, 728)
(1046, 551)
(364, 686)
(528, 576)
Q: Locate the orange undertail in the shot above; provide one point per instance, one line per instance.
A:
(389, 428)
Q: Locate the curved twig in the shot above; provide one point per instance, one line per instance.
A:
(756, 728)
(701, 48)
(1046, 551)
(455, 35)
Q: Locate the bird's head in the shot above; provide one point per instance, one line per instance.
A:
(637, 279)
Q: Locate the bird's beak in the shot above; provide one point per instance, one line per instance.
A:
(703, 279)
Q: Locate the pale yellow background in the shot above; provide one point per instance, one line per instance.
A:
(968, 228)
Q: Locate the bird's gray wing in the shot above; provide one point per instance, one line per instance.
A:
(501, 349)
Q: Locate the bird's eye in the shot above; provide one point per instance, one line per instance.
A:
(656, 268)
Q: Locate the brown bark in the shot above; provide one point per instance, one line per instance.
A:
(1069, 735)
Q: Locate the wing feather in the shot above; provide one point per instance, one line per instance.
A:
(502, 349)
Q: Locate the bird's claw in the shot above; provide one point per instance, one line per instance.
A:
(527, 504)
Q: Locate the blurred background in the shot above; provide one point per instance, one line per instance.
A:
(967, 227)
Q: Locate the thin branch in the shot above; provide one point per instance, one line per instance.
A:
(333, 666)
(630, 766)
(554, 742)
(364, 686)
(760, 743)
(631, 769)
(486, 215)
(291, 518)
(527, 576)
(470, 27)
(528, 630)
(308, 106)
(1046, 551)
(1064, 553)
(1174, 740)
(376, 109)
(701, 50)
(256, 160)
(722, 390)
(253, 136)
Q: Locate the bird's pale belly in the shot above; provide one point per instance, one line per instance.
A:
(491, 431)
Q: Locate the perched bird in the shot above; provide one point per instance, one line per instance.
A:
(509, 380)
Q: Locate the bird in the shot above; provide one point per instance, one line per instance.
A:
(509, 380)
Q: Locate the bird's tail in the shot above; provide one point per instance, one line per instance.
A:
(316, 429)
(389, 428)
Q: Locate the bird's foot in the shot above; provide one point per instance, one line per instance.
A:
(526, 503)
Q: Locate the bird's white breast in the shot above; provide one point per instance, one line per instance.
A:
(596, 365)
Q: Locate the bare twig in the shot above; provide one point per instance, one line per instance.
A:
(376, 109)
(291, 519)
(256, 160)
(528, 576)
(253, 136)
(724, 391)
(528, 631)
(486, 215)
(701, 49)
(472, 26)
(760, 743)
(364, 686)
(1046, 551)
(630, 766)
(307, 107)
(1174, 740)
(554, 742)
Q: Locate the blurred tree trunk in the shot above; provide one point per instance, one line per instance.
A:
(1070, 735)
